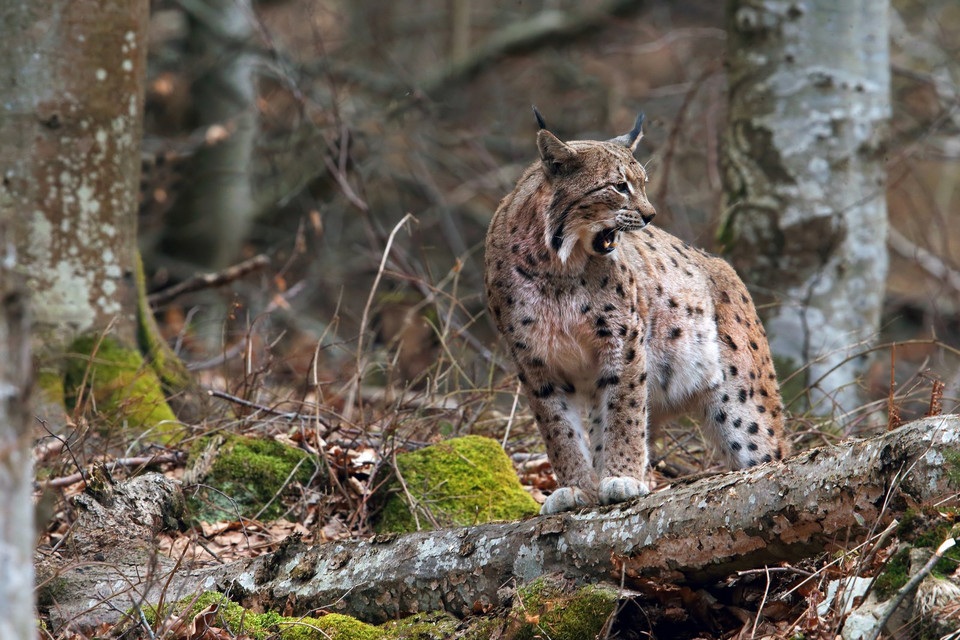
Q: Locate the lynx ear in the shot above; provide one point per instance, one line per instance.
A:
(557, 157)
(632, 139)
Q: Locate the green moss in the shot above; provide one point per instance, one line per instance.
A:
(894, 575)
(123, 390)
(547, 608)
(951, 464)
(483, 628)
(171, 370)
(247, 473)
(908, 523)
(333, 626)
(436, 625)
(271, 626)
(50, 387)
(463, 481)
(263, 626)
(928, 528)
(51, 589)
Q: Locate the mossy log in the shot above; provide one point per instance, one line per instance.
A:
(694, 532)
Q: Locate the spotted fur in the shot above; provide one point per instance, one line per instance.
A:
(615, 325)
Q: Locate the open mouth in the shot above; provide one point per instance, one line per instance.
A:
(606, 240)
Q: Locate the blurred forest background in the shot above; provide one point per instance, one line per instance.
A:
(336, 163)
(306, 131)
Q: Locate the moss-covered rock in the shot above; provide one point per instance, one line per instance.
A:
(124, 390)
(894, 575)
(246, 475)
(460, 482)
(550, 608)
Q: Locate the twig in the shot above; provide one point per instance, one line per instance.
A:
(208, 280)
(289, 415)
(311, 417)
(912, 585)
(769, 570)
(64, 443)
(893, 411)
(366, 308)
(235, 350)
(177, 456)
(376, 283)
(763, 601)
(930, 263)
(678, 122)
(513, 412)
(547, 27)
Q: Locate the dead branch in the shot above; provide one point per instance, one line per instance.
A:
(136, 461)
(926, 260)
(209, 280)
(547, 27)
(825, 499)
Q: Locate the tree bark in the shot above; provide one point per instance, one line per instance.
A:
(16, 466)
(806, 220)
(72, 79)
(72, 76)
(693, 532)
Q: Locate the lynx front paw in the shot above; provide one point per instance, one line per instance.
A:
(564, 499)
(620, 489)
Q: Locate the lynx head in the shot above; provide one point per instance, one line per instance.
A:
(597, 191)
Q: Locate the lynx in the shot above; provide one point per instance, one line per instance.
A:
(615, 325)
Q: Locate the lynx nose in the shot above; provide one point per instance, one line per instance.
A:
(647, 212)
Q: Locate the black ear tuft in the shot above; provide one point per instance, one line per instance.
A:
(632, 139)
(540, 122)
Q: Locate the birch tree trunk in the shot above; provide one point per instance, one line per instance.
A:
(16, 468)
(804, 178)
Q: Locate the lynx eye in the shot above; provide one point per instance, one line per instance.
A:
(622, 187)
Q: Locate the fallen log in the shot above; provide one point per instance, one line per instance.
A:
(691, 532)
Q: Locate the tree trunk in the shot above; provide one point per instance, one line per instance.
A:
(692, 532)
(210, 222)
(72, 77)
(16, 467)
(71, 103)
(804, 178)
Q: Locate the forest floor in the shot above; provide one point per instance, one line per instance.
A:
(354, 426)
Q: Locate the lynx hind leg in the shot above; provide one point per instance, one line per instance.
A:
(745, 413)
